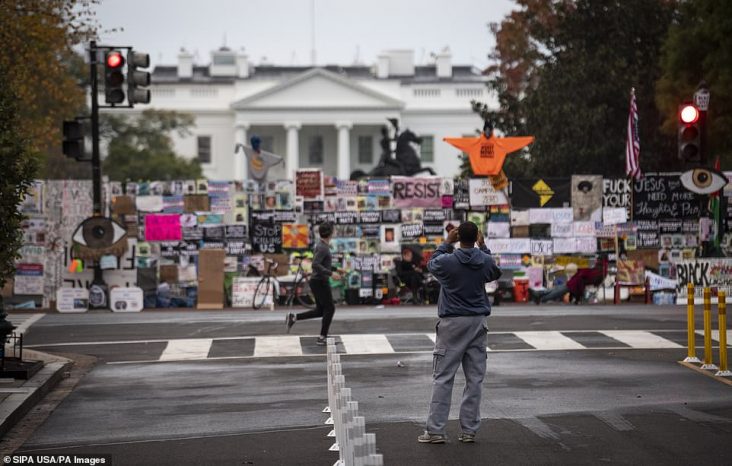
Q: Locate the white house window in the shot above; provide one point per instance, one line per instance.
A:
(469, 92)
(427, 149)
(204, 149)
(225, 60)
(315, 150)
(204, 92)
(426, 92)
(365, 150)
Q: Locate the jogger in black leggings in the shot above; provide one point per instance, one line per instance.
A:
(319, 284)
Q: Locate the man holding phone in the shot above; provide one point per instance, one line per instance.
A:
(461, 329)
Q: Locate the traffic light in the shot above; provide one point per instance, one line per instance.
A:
(114, 79)
(138, 80)
(73, 145)
(689, 133)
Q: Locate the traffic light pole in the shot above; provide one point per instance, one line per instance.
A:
(95, 160)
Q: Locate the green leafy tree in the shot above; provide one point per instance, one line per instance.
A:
(142, 148)
(18, 169)
(699, 47)
(38, 39)
(568, 84)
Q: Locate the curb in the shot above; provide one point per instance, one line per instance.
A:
(17, 405)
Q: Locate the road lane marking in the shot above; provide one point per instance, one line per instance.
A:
(277, 346)
(640, 339)
(538, 427)
(24, 324)
(715, 336)
(183, 350)
(549, 340)
(616, 421)
(366, 344)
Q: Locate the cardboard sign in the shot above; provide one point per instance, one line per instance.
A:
(663, 196)
(509, 245)
(583, 229)
(242, 292)
(211, 278)
(309, 183)
(295, 236)
(266, 237)
(712, 273)
(587, 192)
(614, 215)
(542, 248)
(631, 272)
(565, 245)
(586, 244)
(72, 300)
(163, 227)
(416, 192)
(541, 216)
(126, 299)
(196, 203)
(28, 279)
(519, 218)
(149, 203)
(498, 230)
(562, 230)
(482, 193)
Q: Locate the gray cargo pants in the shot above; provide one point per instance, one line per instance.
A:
(460, 340)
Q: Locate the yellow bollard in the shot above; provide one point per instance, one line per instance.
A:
(691, 333)
(708, 364)
(722, 308)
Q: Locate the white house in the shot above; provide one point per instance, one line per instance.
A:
(329, 117)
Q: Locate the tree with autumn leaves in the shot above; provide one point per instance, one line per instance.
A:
(562, 71)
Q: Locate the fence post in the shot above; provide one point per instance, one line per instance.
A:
(708, 363)
(722, 309)
(690, 325)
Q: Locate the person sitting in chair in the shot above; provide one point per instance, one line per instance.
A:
(576, 285)
(409, 271)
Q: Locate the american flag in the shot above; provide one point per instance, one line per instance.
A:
(632, 144)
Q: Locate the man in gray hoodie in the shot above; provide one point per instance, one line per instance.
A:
(461, 330)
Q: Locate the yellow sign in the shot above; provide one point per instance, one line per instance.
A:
(544, 191)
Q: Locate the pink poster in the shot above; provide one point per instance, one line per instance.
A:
(416, 192)
(162, 227)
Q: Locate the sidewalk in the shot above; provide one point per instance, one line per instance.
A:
(17, 397)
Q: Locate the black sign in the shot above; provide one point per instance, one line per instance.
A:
(434, 216)
(312, 206)
(541, 192)
(411, 230)
(192, 233)
(663, 197)
(346, 217)
(370, 217)
(213, 233)
(236, 231)
(235, 248)
(647, 234)
(461, 196)
(324, 217)
(391, 216)
(266, 237)
(370, 231)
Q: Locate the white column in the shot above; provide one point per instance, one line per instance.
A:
(293, 149)
(344, 149)
(240, 160)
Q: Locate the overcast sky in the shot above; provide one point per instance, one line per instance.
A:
(280, 30)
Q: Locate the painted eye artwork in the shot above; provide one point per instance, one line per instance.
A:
(99, 236)
(703, 180)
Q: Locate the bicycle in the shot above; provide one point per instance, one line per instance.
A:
(269, 286)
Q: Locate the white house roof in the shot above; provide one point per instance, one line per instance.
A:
(318, 88)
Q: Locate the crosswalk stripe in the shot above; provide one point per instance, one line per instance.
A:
(432, 336)
(715, 334)
(194, 348)
(640, 339)
(549, 340)
(277, 346)
(24, 321)
(366, 344)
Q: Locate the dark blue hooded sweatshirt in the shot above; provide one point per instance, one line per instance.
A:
(462, 274)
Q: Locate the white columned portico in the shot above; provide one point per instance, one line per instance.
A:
(344, 149)
(240, 159)
(293, 148)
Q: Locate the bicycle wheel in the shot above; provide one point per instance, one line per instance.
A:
(261, 292)
(304, 295)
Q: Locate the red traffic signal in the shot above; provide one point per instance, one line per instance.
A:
(689, 114)
(115, 60)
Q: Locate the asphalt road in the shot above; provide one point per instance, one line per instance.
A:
(565, 385)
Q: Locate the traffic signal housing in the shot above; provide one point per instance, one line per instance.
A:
(138, 79)
(689, 133)
(114, 78)
(73, 144)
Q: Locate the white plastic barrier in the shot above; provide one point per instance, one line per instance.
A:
(354, 446)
